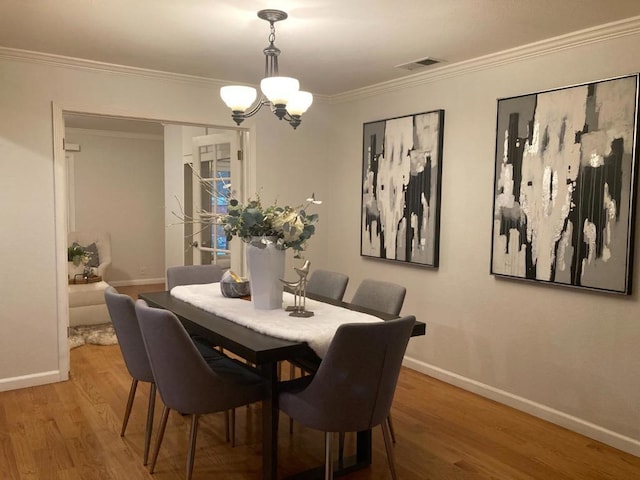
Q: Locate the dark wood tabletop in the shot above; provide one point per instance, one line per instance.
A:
(253, 346)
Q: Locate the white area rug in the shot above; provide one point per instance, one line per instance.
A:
(92, 334)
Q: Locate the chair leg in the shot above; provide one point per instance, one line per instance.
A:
(127, 411)
(159, 437)
(389, 447)
(147, 434)
(328, 455)
(192, 444)
(391, 429)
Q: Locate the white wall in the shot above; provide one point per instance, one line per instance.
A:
(564, 354)
(119, 189)
(298, 167)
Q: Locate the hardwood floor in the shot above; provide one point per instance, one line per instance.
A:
(71, 430)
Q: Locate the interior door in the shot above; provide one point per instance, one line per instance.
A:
(217, 170)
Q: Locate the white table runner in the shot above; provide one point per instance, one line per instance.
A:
(317, 331)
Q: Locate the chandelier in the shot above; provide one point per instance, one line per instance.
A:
(282, 94)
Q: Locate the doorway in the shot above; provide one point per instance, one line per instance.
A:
(145, 194)
(132, 128)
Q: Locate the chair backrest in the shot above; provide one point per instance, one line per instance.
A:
(125, 323)
(354, 386)
(192, 275)
(381, 296)
(328, 284)
(102, 242)
(185, 382)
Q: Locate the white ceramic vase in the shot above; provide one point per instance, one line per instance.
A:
(266, 267)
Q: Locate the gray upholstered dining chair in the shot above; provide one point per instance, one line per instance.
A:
(354, 386)
(196, 275)
(192, 275)
(207, 388)
(384, 297)
(125, 323)
(327, 284)
(381, 296)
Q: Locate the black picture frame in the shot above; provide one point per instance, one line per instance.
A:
(565, 186)
(401, 188)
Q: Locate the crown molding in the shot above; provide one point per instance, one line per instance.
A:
(30, 56)
(82, 64)
(609, 31)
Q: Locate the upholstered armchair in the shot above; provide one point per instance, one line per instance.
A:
(86, 301)
(98, 243)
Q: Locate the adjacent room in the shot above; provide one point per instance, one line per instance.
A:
(456, 181)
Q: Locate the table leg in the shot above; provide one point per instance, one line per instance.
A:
(363, 448)
(270, 423)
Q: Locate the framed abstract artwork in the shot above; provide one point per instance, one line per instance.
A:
(564, 188)
(401, 181)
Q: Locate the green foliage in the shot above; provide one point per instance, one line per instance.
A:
(74, 253)
(77, 255)
(290, 226)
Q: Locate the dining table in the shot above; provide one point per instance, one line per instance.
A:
(265, 352)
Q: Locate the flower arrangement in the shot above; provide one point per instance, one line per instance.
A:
(78, 255)
(290, 226)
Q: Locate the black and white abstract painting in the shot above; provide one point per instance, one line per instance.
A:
(401, 178)
(564, 185)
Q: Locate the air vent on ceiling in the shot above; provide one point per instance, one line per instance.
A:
(417, 64)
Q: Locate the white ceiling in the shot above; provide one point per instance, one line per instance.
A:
(332, 46)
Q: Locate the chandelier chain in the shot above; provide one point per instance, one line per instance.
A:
(272, 35)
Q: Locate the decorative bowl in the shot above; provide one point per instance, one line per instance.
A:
(233, 286)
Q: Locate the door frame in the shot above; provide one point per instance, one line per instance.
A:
(60, 206)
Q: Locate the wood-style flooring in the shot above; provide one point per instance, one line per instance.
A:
(71, 431)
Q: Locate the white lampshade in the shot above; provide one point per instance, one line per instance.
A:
(279, 89)
(238, 98)
(299, 103)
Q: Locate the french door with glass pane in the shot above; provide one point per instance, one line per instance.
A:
(218, 171)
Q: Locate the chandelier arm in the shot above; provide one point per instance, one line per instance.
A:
(294, 120)
(251, 112)
(240, 117)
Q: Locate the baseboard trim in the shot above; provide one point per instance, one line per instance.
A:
(575, 424)
(33, 380)
(140, 281)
